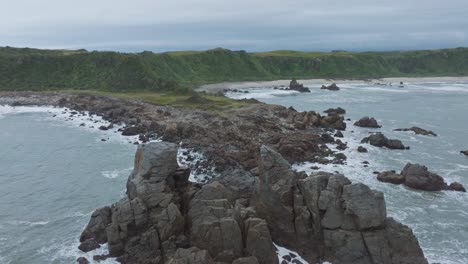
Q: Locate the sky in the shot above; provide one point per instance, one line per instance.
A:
(252, 25)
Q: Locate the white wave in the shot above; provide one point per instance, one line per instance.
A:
(282, 251)
(260, 93)
(29, 223)
(192, 158)
(116, 173)
(59, 252)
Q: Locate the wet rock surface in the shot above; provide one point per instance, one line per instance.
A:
(379, 140)
(418, 131)
(419, 177)
(166, 219)
(464, 152)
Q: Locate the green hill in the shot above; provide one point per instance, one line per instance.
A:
(34, 69)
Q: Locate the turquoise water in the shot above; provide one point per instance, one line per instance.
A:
(440, 219)
(53, 174)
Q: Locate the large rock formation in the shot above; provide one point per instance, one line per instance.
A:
(379, 140)
(419, 177)
(166, 219)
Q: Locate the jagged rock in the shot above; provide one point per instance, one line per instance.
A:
(294, 85)
(246, 260)
(273, 197)
(213, 225)
(365, 206)
(379, 140)
(333, 121)
(331, 87)
(82, 260)
(362, 149)
(456, 186)
(391, 177)
(367, 122)
(418, 131)
(419, 177)
(96, 228)
(339, 111)
(258, 241)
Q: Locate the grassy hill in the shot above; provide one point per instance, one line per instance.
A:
(33, 69)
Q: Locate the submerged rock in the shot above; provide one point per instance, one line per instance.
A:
(362, 149)
(367, 122)
(379, 140)
(418, 131)
(464, 152)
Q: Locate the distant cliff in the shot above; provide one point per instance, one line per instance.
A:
(33, 69)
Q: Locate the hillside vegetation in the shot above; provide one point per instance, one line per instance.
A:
(33, 69)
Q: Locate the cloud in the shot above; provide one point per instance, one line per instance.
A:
(251, 25)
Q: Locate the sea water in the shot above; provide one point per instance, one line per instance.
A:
(439, 219)
(53, 174)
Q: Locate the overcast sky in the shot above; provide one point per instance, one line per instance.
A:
(252, 25)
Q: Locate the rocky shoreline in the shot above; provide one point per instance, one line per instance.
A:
(166, 219)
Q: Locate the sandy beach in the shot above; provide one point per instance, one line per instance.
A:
(259, 84)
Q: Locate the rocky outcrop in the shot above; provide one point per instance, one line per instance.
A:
(166, 219)
(294, 85)
(419, 177)
(418, 131)
(339, 111)
(379, 140)
(367, 122)
(362, 149)
(331, 87)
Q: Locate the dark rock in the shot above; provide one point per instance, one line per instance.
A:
(294, 85)
(246, 260)
(464, 152)
(96, 228)
(339, 111)
(391, 177)
(133, 131)
(100, 257)
(331, 87)
(82, 260)
(362, 149)
(418, 131)
(258, 241)
(106, 127)
(419, 177)
(367, 122)
(456, 186)
(333, 121)
(339, 134)
(379, 140)
(287, 258)
(89, 245)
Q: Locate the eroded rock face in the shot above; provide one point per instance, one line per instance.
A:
(165, 219)
(367, 122)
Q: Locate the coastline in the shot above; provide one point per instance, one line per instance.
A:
(266, 84)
